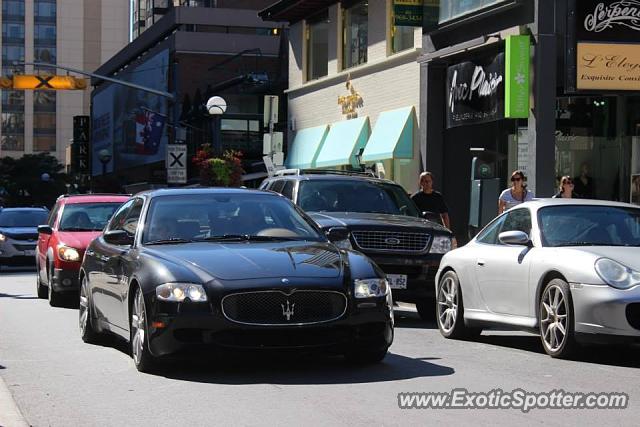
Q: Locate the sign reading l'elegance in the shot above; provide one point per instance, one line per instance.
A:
(608, 66)
(602, 20)
(475, 92)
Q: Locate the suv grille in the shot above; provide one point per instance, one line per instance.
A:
(276, 308)
(391, 241)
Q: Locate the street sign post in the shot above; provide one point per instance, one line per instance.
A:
(176, 164)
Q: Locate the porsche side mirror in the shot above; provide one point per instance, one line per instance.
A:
(519, 238)
(118, 237)
(336, 234)
(45, 229)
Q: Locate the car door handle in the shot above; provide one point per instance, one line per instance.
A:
(480, 261)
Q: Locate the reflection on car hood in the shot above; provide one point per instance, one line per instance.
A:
(347, 219)
(77, 239)
(20, 232)
(629, 256)
(249, 260)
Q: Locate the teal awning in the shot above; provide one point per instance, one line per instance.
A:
(306, 146)
(344, 141)
(392, 136)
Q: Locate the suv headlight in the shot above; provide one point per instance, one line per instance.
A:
(617, 275)
(2, 237)
(68, 254)
(178, 292)
(343, 244)
(369, 288)
(441, 245)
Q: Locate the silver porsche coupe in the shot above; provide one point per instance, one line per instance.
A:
(568, 269)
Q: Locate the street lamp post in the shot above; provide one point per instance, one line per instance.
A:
(216, 107)
(105, 157)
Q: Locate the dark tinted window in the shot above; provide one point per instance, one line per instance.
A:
(86, 216)
(277, 186)
(287, 189)
(23, 218)
(129, 222)
(53, 215)
(119, 217)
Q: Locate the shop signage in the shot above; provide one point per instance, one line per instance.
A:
(602, 20)
(408, 12)
(608, 66)
(517, 54)
(475, 92)
(350, 102)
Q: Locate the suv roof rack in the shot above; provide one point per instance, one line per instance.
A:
(284, 172)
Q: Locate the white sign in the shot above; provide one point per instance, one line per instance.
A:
(271, 169)
(278, 159)
(270, 109)
(176, 164)
(270, 144)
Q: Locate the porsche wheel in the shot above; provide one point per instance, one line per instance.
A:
(450, 309)
(556, 319)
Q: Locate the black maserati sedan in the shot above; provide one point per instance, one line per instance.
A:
(216, 269)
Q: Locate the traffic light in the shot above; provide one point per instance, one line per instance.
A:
(46, 82)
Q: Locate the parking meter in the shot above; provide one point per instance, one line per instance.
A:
(485, 189)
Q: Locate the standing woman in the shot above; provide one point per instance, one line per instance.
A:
(566, 188)
(515, 194)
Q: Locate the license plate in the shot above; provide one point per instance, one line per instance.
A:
(30, 253)
(397, 281)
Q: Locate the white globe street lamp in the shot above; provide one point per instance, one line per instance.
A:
(216, 107)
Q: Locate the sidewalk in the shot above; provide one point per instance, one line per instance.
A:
(10, 415)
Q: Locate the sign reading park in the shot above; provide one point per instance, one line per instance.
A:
(605, 66)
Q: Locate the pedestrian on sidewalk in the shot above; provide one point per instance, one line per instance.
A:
(429, 200)
(516, 194)
(566, 188)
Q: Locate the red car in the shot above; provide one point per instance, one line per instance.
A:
(73, 223)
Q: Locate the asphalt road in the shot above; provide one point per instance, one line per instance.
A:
(57, 380)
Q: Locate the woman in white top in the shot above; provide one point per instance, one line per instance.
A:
(515, 194)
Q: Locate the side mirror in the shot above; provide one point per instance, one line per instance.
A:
(45, 229)
(118, 237)
(336, 234)
(519, 238)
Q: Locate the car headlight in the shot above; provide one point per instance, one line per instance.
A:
(2, 237)
(178, 292)
(343, 244)
(441, 245)
(617, 275)
(68, 254)
(369, 288)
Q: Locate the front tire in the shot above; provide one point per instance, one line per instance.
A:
(41, 289)
(450, 309)
(142, 357)
(55, 299)
(555, 320)
(88, 332)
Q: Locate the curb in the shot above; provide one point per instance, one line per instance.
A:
(10, 415)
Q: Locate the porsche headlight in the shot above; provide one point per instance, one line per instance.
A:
(369, 288)
(617, 275)
(2, 237)
(68, 254)
(441, 245)
(178, 292)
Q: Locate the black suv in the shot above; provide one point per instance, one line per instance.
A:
(383, 223)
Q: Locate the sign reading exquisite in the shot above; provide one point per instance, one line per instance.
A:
(517, 54)
(475, 92)
(407, 13)
(608, 66)
(601, 20)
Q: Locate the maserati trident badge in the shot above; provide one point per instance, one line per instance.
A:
(288, 312)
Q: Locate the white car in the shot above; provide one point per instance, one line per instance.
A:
(566, 268)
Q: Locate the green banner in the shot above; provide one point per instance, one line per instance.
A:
(407, 13)
(516, 89)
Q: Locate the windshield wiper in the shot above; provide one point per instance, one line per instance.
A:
(173, 240)
(589, 244)
(245, 237)
(80, 229)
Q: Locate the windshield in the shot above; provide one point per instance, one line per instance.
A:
(355, 196)
(577, 225)
(23, 218)
(205, 217)
(87, 216)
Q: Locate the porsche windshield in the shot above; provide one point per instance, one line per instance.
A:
(355, 196)
(225, 217)
(584, 225)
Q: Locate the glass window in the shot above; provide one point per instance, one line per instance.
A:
(45, 54)
(277, 186)
(12, 8)
(489, 235)
(287, 190)
(318, 46)
(44, 100)
(451, 9)
(12, 100)
(53, 215)
(118, 218)
(12, 122)
(23, 217)
(401, 38)
(12, 142)
(44, 143)
(86, 216)
(517, 220)
(12, 30)
(45, 10)
(12, 53)
(44, 32)
(355, 34)
(44, 122)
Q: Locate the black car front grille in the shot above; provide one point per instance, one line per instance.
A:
(23, 237)
(391, 241)
(278, 308)
(24, 247)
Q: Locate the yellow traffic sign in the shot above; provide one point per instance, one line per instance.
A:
(48, 82)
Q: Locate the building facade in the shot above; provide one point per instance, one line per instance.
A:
(73, 33)
(354, 87)
(581, 72)
(192, 50)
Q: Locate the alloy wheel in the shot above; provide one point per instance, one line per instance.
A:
(553, 314)
(138, 326)
(83, 311)
(448, 304)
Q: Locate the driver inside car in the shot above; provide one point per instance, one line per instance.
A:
(163, 229)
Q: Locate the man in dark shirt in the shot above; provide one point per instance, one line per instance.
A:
(429, 200)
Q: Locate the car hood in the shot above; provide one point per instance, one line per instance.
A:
(77, 239)
(22, 233)
(359, 219)
(249, 260)
(629, 256)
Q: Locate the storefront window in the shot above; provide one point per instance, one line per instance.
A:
(451, 9)
(317, 46)
(401, 38)
(355, 34)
